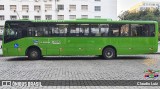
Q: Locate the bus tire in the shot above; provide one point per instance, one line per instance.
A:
(109, 53)
(34, 54)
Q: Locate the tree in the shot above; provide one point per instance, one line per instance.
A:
(146, 14)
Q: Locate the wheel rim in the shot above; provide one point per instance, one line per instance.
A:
(34, 54)
(109, 54)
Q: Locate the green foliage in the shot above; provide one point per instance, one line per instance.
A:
(141, 15)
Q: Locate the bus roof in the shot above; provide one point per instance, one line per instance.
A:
(87, 21)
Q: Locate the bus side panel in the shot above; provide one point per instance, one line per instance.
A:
(41, 42)
(27, 42)
(10, 49)
(81, 46)
(23, 44)
(96, 45)
(143, 45)
(74, 46)
(124, 45)
(55, 45)
(84, 45)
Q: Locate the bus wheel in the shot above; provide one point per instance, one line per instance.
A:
(34, 54)
(109, 53)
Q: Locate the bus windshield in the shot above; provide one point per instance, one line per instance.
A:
(15, 31)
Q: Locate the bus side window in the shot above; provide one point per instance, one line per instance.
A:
(141, 30)
(110, 33)
(136, 30)
(104, 29)
(84, 29)
(95, 30)
(133, 30)
(49, 31)
(113, 30)
(74, 30)
(23, 33)
(152, 30)
(61, 29)
(55, 31)
(46, 31)
(13, 33)
(39, 33)
(31, 32)
(125, 30)
(145, 30)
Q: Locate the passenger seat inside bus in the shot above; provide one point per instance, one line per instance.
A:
(110, 33)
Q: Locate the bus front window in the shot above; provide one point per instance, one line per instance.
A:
(10, 34)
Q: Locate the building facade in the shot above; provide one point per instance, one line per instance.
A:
(56, 9)
(145, 5)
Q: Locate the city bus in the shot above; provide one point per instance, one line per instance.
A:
(81, 37)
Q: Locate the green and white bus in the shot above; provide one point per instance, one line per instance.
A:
(80, 37)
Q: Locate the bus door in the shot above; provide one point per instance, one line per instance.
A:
(10, 41)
